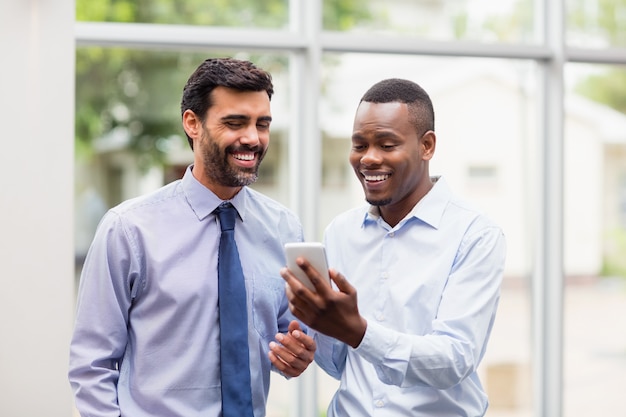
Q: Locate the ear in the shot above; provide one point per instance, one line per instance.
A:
(192, 124)
(429, 143)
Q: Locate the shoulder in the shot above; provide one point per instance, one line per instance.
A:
(157, 196)
(458, 210)
(475, 216)
(349, 219)
(474, 227)
(269, 211)
(153, 203)
(265, 203)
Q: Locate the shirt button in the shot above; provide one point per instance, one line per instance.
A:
(384, 275)
(379, 403)
(392, 234)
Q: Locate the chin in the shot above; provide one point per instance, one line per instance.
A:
(378, 202)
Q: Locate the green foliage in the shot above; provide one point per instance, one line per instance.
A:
(459, 25)
(608, 87)
(605, 21)
(135, 92)
(138, 92)
(515, 26)
(602, 19)
(344, 14)
(244, 13)
(614, 264)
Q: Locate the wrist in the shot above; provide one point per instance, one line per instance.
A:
(354, 338)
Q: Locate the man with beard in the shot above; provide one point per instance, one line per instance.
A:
(147, 332)
(427, 268)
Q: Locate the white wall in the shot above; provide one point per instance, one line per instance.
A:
(36, 192)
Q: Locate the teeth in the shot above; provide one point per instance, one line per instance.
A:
(376, 177)
(244, 156)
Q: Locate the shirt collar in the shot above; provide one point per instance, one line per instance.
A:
(429, 209)
(203, 201)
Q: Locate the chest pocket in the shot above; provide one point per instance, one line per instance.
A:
(268, 294)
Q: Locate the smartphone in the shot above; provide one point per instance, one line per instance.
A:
(314, 252)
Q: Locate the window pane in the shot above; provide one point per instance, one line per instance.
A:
(240, 13)
(595, 241)
(487, 134)
(476, 20)
(596, 23)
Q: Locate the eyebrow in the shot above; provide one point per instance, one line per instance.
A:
(377, 136)
(244, 117)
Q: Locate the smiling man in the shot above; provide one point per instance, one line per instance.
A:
(425, 265)
(151, 317)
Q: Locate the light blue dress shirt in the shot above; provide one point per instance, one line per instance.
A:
(428, 288)
(146, 339)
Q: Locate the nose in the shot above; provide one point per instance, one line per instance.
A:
(250, 136)
(371, 157)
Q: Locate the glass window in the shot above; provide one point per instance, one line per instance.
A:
(129, 140)
(596, 23)
(595, 241)
(475, 20)
(233, 13)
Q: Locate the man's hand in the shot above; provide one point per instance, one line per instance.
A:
(334, 313)
(294, 351)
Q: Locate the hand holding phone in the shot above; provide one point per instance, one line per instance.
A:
(313, 252)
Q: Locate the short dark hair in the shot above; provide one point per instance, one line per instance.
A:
(221, 72)
(404, 91)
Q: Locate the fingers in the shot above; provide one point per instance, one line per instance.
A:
(294, 352)
(300, 298)
(298, 313)
(294, 325)
(289, 370)
(321, 285)
(297, 343)
(342, 283)
(305, 340)
(293, 285)
(286, 362)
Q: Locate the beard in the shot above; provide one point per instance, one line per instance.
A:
(383, 202)
(371, 199)
(218, 168)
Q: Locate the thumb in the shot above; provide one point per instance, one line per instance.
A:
(294, 325)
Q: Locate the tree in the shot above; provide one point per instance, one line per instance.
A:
(602, 22)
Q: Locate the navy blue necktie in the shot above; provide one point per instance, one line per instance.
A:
(234, 359)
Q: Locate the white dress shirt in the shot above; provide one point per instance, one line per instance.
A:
(428, 288)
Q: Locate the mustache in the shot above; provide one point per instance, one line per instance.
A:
(245, 148)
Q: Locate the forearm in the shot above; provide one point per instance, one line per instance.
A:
(405, 360)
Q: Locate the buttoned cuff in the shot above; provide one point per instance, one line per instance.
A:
(376, 343)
